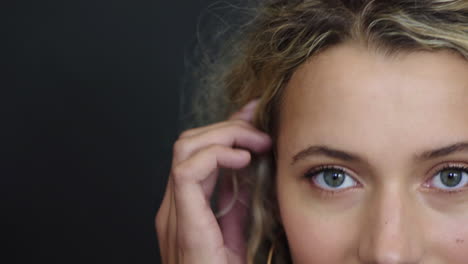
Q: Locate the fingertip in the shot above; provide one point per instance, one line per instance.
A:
(264, 144)
(247, 112)
(243, 154)
(251, 105)
(267, 138)
(246, 116)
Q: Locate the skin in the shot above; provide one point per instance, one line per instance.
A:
(187, 228)
(386, 111)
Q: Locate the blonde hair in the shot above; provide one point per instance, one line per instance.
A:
(259, 58)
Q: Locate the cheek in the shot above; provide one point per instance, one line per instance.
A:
(452, 240)
(313, 235)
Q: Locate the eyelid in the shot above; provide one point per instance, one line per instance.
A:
(320, 168)
(434, 171)
(446, 165)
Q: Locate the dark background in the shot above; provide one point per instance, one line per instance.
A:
(89, 112)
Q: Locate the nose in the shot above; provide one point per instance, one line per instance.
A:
(391, 234)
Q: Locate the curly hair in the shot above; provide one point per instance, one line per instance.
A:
(273, 38)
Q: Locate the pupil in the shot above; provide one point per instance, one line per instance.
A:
(451, 178)
(334, 178)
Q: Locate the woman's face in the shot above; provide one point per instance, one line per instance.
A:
(372, 163)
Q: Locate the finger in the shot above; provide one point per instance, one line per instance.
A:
(237, 134)
(195, 219)
(171, 233)
(166, 216)
(161, 222)
(246, 113)
(233, 205)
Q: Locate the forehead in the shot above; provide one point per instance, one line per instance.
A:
(351, 97)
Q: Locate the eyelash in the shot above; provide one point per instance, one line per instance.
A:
(323, 168)
(439, 169)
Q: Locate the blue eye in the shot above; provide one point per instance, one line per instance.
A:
(450, 178)
(332, 179)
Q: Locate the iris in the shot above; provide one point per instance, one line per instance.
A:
(451, 177)
(334, 178)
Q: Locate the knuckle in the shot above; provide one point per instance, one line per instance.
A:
(214, 148)
(240, 126)
(187, 133)
(180, 146)
(180, 173)
(240, 123)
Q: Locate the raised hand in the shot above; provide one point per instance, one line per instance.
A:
(188, 231)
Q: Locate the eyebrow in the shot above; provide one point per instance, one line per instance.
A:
(323, 150)
(444, 151)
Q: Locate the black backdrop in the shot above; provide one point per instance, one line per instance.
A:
(89, 106)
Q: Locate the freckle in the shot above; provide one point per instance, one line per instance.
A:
(460, 241)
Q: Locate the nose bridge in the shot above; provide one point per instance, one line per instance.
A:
(391, 234)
